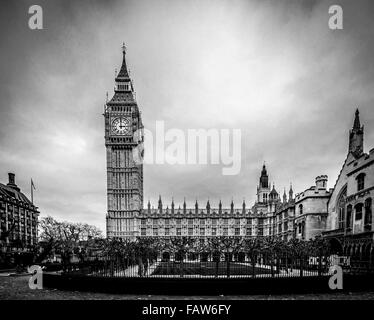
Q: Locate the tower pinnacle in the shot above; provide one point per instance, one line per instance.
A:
(123, 73)
(356, 124)
(356, 136)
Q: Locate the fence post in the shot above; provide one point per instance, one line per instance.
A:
(320, 265)
(253, 261)
(228, 264)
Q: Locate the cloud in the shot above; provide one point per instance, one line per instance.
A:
(272, 69)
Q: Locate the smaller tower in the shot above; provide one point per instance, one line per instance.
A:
(263, 188)
(208, 207)
(264, 178)
(184, 206)
(196, 207)
(321, 182)
(356, 137)
(243, 206)
(149, 206)
(220, 207)
(172, 205)
(232, 206)
(160, 204)
(284, 196)
(290, 193)
(273, 194)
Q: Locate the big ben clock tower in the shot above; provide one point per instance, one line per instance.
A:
(123, 135)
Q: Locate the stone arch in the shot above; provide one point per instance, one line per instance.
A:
(336, 246)
(366, 251)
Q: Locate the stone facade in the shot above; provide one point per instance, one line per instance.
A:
(350, 207)
(283, 225)
(213, 221)
(19, 218)
(311, 210)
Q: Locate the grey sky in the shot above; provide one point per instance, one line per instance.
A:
(271, 68)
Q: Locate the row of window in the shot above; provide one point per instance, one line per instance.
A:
(190, 232)
(360, 210)
(191, 221)
(123, 86)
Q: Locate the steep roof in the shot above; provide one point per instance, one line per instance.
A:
(123, 73)
(12, 193)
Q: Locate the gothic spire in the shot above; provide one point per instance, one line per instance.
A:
(356, 137)
(290, 193)
(160, 203)
(264, 178)
(123, 73)
(356, 124)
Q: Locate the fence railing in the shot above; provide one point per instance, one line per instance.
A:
(207, 266)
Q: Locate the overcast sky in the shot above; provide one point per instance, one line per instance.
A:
(270, 68)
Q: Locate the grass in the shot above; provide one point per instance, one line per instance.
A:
(205, 269)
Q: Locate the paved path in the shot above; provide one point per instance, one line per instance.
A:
(16, 288)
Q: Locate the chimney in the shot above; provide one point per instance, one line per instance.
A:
(321, 182)
(12, 181)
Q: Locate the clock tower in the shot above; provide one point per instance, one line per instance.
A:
(123, 140)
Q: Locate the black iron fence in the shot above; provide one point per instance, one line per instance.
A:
(160, 267)
(219, 257)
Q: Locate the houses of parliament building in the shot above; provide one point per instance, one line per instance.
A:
(343, 212)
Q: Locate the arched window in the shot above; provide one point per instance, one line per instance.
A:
(358, 209)
(360, 181)
(349, 216)
(300, 209)
(341, 207)
(368, 213)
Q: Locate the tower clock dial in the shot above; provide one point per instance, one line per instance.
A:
(120, 126)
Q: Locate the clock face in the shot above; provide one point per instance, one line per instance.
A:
(121, 126)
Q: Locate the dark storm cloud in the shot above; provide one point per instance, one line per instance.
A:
(270, 68)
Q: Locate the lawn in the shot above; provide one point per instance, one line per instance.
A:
(205, 269)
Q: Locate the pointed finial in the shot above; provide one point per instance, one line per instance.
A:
(356, 124)
(115, 72)
(107, 96)
(123, 47)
